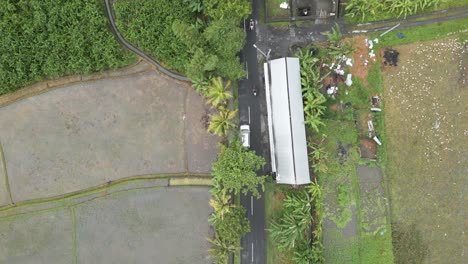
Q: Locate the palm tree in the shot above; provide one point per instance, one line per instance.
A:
(218, 93)
(221, 122)
(221, 204)
(220, 250)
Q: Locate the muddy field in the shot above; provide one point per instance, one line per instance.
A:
(426, 123)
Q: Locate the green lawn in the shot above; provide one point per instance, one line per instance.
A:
(424, 33)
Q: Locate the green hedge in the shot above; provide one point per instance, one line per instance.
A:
(148, 25)
(51, 38)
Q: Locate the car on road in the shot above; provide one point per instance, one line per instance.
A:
(245, 135)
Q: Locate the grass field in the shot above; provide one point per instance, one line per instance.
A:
(427, 133)
(273, 9)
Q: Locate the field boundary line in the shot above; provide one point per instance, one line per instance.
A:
(50, 85)
(5, 173)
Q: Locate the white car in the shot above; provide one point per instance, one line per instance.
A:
(245, 135)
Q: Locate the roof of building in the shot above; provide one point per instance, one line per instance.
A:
(286, 121)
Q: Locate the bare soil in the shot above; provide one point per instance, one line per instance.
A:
(426, 99)
(360, 55)
(368, 149)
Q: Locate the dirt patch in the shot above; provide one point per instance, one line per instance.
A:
(426, 136)
(368, 149)
(360, 56)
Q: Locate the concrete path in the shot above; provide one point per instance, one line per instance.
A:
(90, 133)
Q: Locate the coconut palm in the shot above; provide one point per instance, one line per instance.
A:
(221, 123)
(221, 204)
(218, 93)
(220, 250)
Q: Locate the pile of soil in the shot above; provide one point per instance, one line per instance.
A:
(368, 149)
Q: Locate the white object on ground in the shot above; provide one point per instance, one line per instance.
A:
(366, 62)
(367, 43)
(340, 72)
(349, 62)
(284, 5)
(349, 81)
(392, 28)
(376, 40)
(370, 125)
(371, 44)
(371, 54)
(377, 141)
(332, 90)
(376, 109)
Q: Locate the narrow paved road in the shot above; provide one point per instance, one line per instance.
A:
(251, 108)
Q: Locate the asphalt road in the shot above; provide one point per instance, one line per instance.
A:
(250, 108)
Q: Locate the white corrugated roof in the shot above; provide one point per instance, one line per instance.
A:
(286, 121)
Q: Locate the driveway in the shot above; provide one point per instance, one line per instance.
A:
(89, 133)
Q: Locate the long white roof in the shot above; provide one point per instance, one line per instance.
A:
(288, 143)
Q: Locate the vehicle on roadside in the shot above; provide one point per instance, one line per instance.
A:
(245, 135)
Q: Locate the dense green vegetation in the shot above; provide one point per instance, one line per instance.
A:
(199, 38)
(148, 25)
(234, 172)
(51, 38)
(372, 10)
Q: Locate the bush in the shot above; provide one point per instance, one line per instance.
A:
(51, 38)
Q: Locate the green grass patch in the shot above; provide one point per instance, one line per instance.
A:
(376, 247)
(274, 10)
(423, 33)
(52, 38)
(189, 181)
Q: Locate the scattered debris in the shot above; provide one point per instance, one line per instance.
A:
(375, 100)
(349, 81)
(370, 127)
(376, 109)
(391, 57)
(377, 141)
(332, 90)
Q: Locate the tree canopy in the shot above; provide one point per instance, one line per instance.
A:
(236, 167)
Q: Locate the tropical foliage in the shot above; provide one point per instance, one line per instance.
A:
(369, 9)
(201, 41)
(311, 83)
(218, 92)
(222, 122)
(229, 223)
(41, 39)
(235, 169)
(292, 227)
(301, 211)
(148, 25)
